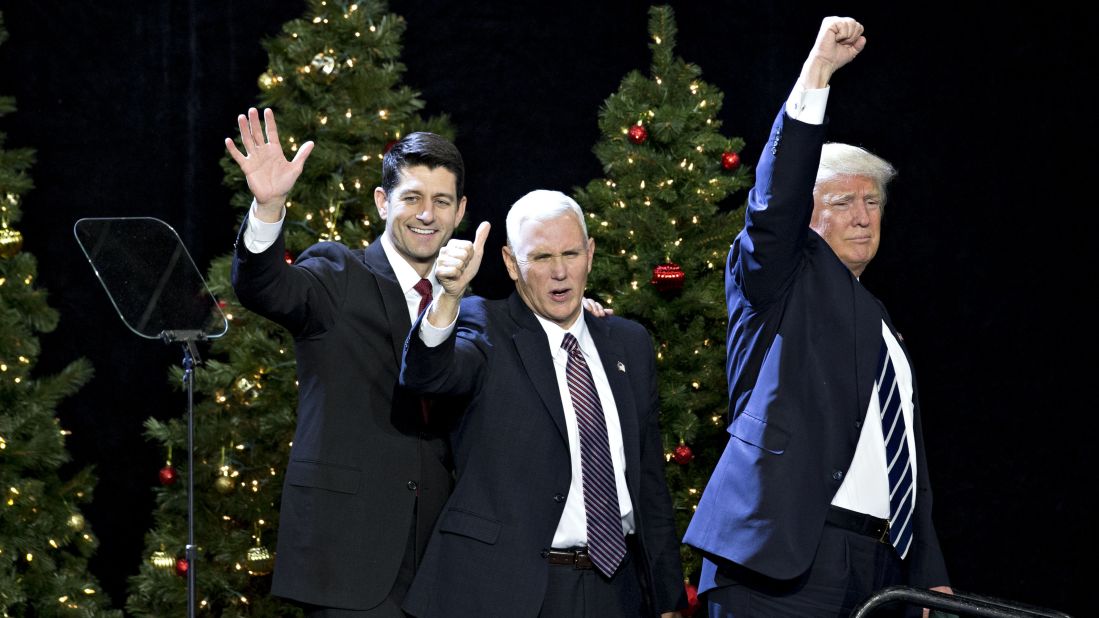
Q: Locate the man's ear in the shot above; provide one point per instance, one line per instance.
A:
(510, 263)
(380, 202)
(461, 211)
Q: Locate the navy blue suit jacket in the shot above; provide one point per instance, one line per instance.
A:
(803, 343)
(511, 457)
(362, 473)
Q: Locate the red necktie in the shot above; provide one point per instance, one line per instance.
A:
(423, 286)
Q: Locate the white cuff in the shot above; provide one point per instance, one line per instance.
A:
(433, 336)
(259, 235)
(808, 105)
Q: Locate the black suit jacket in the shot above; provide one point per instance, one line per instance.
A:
(512, 460)
(803, 343)
(359, 459)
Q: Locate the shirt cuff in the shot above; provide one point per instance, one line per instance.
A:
(433, 336)
(808, 105)
(260, 235)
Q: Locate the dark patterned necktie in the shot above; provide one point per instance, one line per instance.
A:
(606, 545)
(898, 462)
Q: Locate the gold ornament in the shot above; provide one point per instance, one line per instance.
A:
(11, 242)
(260, 561)
(267, 81)
(162, 560)
(76, 522)
(223, 484)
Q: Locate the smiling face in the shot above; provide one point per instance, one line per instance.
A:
(847, 213)
(421, 213)
(550, 262)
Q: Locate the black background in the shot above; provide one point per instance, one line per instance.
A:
(983, 110)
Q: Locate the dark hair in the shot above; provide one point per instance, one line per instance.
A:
(422, 148)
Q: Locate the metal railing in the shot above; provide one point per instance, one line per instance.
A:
(960, 603)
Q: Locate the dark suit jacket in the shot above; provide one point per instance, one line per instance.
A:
(803, 343)
(359, 458)
(511, 451)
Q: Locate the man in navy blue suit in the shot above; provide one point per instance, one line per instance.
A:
(560, 508)
(821, 495)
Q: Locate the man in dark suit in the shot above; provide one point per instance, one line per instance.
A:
(366, 479)
(560, 508)
(821, 495)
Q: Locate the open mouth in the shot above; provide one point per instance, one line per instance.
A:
(421, 231)
(560, 295)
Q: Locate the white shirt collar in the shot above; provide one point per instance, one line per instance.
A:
(407, 277)
(556, 334)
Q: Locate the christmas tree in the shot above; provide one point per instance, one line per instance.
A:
(662, 240)
(333, 77)
(45, 542)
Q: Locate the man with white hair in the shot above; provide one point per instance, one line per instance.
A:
(821, 496)
(560, 508)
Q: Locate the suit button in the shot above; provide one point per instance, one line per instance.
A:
(558, 498)
(411, 485)
(837, 475)
(858, 424)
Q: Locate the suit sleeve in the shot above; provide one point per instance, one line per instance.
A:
(453, 367)
(661, 538)
(768, 251)
(305, 297)
(926, 568)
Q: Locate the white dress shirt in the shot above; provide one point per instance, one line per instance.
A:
(572, 528)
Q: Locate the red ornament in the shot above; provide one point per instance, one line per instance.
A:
(730, 160)
(638, 134)
(682, 454)
(222, 304)
(692, 600)
(289, 258)
(168, 475)
(668, 277)
(389, 145)
(181, 567)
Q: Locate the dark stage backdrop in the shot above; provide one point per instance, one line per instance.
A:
(127, 103)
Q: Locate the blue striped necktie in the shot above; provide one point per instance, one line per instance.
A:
(902, 496)
(606, 545)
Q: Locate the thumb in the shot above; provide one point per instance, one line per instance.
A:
(303, 153)
(481, 237)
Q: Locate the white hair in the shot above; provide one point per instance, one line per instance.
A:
(542, 205)
(846, 160)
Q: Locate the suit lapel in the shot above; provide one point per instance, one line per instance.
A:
(616, 367)
(868, 341)
(533, 349)
(396, 309)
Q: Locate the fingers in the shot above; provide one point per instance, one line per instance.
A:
(234, 152)
(272, 130)
(459, 261)
(481, 237)
(596, 309)
(845, 31)
(254, 129)
(303, 154)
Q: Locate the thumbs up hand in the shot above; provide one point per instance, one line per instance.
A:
(459, 261)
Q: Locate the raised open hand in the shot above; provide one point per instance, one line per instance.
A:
(269, 174)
